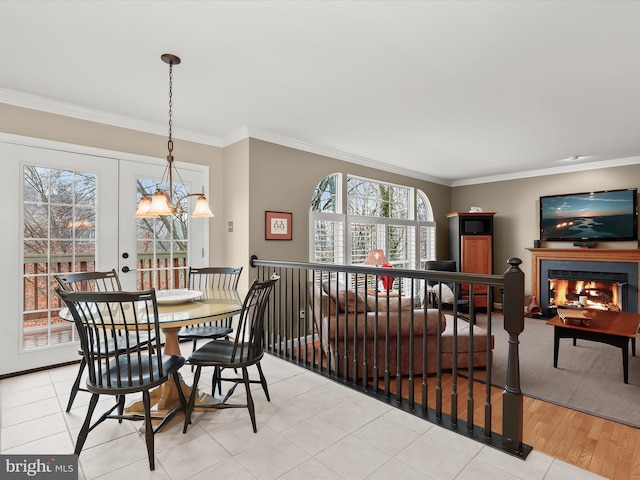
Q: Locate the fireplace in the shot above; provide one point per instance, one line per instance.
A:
(584, 289)
(594, 278)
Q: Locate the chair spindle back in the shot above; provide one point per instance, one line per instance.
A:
(207, 278)
(97, 315)
(106, 281)
(249, 340)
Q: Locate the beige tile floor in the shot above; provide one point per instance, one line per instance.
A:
(313, 428)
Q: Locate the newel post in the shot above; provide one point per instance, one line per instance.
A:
(512, 401)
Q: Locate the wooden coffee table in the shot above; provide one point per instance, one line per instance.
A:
(612, 328)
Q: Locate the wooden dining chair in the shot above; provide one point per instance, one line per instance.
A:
(246, 349)
(122, 369)
(105, 281)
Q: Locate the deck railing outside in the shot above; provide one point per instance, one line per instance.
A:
(294, 332)
(41, 324)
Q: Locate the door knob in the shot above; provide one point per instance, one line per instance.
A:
(125, 269)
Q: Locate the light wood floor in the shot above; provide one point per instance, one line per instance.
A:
(607, 448)
(604, 447)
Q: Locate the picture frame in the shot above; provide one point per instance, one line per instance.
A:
(277, 225)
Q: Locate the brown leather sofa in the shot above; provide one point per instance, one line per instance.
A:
(352, 328)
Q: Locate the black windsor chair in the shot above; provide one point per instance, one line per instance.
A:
(124, 369)
(106, 281)
(204, 279)
(247, 349)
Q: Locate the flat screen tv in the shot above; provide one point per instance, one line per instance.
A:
(608, 215)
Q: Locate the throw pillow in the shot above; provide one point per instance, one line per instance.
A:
(346, 299)
(447, 293)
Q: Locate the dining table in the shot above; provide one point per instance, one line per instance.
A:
(178, 308)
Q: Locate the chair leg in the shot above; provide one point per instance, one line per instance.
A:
(148, 429)
(192, 399)
(194, 346)
(76, 383)
(84, 431)
(216, 379)
(120, 407)
(263, 382)
(250, 405)
(183, 400)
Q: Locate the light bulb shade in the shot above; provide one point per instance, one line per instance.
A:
(160, 204)
(376, 257)
(202, 209)
(144, 208)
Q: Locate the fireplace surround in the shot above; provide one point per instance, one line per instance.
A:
(619, 267)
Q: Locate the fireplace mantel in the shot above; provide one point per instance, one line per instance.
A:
(584, 254)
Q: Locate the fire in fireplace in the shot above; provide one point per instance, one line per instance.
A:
(619, 274)
(602, 295)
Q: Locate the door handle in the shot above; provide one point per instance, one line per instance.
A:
(126, 269)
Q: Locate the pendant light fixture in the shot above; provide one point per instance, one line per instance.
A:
(161, 204)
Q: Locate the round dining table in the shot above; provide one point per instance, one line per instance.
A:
(173, 313)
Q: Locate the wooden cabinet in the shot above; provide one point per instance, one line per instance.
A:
(471, 246)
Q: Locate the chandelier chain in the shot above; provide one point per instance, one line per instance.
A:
(163, 204)
(170, 142)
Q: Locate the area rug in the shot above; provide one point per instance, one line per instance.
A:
(588, 378)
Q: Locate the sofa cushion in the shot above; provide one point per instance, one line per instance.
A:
(346, 299)
(376, 323)
(464, 329)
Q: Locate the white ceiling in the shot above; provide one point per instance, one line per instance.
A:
(457, 92)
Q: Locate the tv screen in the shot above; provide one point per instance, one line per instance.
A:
(606, 216)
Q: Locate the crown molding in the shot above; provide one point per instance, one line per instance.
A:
(57, 107)
(267, 136)
(619, 162)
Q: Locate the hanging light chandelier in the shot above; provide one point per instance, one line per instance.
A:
(161, 204)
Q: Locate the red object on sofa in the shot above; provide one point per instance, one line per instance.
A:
(387, 281)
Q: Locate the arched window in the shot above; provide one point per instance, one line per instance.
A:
(427, 229)
(394, 218)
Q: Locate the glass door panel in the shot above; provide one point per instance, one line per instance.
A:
(164, 247)
(59, 235)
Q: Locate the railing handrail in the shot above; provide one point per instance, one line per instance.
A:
(453, 277)
(511, 286)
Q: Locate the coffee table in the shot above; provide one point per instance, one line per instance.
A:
(612, 328)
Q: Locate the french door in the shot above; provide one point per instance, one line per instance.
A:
(74, 211)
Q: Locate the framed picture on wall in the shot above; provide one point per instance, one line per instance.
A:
(277, 225)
